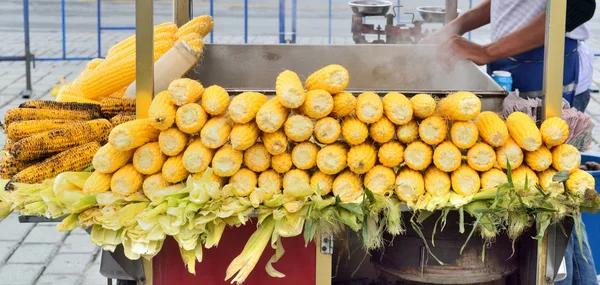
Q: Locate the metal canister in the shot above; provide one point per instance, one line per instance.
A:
(504, 79)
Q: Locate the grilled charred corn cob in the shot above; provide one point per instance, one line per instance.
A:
(423, 105)
(122, 118)
(433, 130)
(460, 106)
(289, 90)
(23, 129)
(184, 91)
(481, 157)
(148, 159)
(369, 107)
(418, 155)
(327, 130)
(216, 131)
(447, 157)
(524, 131)
(74, 159)
(298, 128)
(344, 104)
(354, 131)
(321, 182)
(257, 158)
(362, 157)
(173, 169)
(348, 187)
(108, 159)
(332, 78)
(53, 105)
(97, 183)
(244, 107)
(282, 163)
(304, 155)
(409, 184)
(318, 104)
(555, 131)
(215, 100)
(464, 134)
(197, 157)
(383, 130)
(566, 157)
(331, 159)
(391, 154)
(190, 118)
(244, 136)
(437, 182)
(11, 166)
(126, 181)
(133, 134)
(27, 114)
(43, 144)
(227, 161)
(271, 116)
(491, 128)
(162, 111)
(493, 178)
(408, 132)
(172, 141)
(380, 179)
(397, 108)
(511, 153)
(276, 142)
(113, 106)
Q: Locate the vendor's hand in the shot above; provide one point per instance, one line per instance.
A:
(437, 37)
(457, 48)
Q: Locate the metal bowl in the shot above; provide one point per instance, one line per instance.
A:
(434, 14)
(370, 7)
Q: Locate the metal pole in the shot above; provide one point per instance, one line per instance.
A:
(294, 18)
(554, 50)
(451, 13)
(398, 18)
(27, 92)
(212, 14)
(182, 12)
(99, 27)
(144, 48)
(245, 21)
(64, 28)
(470, 6)
(329, 21)
(281, 21)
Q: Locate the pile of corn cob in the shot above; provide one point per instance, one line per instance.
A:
(109, 77)
(45, 138)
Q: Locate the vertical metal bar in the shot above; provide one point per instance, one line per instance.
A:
(212, 14)
(451, 13)
(64, 29)
(398, 17)
(144, 48)
(470, 6)
(554, 50)
(182, 12)
(281, 21)
(323, 265)
(27, 92)
(294, 19)
(99, 27)
(245, 21)
(329, 21)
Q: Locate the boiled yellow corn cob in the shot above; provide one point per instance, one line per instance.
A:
(464, 134)
(369, 107)
(397, 108)
(327, 130)
(92, 64)
(540, 159)
(244, 136)
(304, 155)
(227, 161)
(321, 182)
(524, 131)
(447, 157)
(119, 94)
(27, 114)
(194, 40)
(129, 43)
(173, 170)
(380, 179)
(162, 111)
(201, 24)
(271, 116)
(298, 128)
(437, 182)
(579, 181)
(354, 131)
(433, 130)
(114, 106)
(257, 158)
(133, 134)
(43, 144)
(391, 154)
(547, 182)
(108, 159)
(282, 163)
(348, 187)
(213, 178)
(524, 173)
(296, 184)
(172, 141)
(460, 106)
(126, 181)
(332, 78)
(423, 105)
(491, 128)
(270, 181)
(184, 91)
(418, 155)
(344, 104)
(190, 118)
(410, 184)
(122, 118)
(318, 104)
(408, 132)
(97, 183)
(383, 130)
(154, 182)
(465, 180)
(555, 131)
(510, 152)
(74, 159)
(331, 159)
(481, 157)
(243, 107)
(362, 157)
(276, 142)
(23, 129)
(243, 182)
(215, 100)
(566, 157)
(289, 90)
(493, 178)
(197, 157)
(71, 106)
(148, 159)
(216, 131)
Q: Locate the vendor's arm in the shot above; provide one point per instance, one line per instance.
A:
(524, 39)
(477, 17)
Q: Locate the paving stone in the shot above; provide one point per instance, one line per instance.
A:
(78, 244)
(20, 274)
(43, 234)
(53, 279)
(33, 253)
(11, 229)
(72, 263)
(6, 249)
